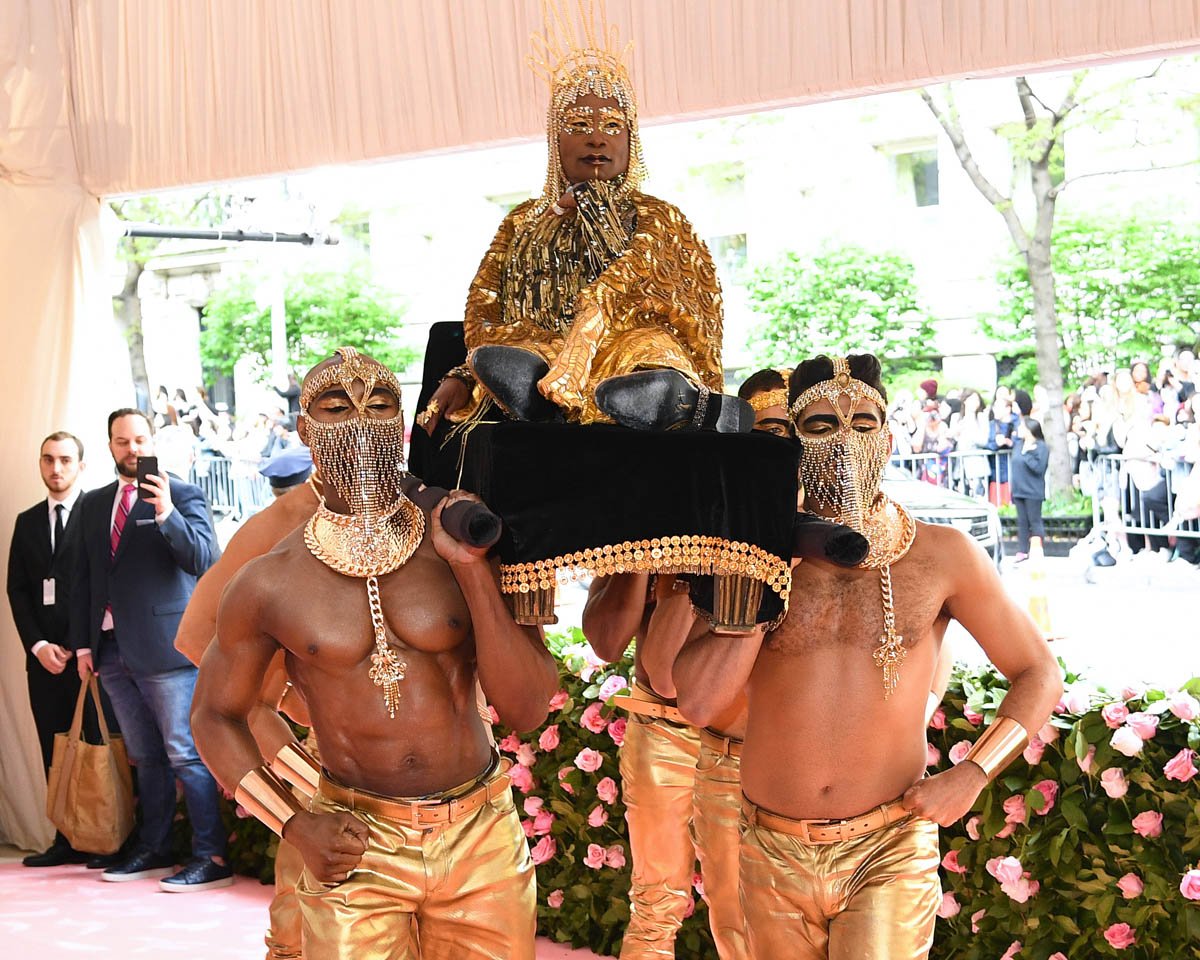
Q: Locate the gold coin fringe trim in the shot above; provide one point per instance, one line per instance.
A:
(681, 554)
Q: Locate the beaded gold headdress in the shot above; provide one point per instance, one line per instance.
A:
(578, 53)
(769, 398)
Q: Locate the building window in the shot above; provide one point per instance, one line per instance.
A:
(917, 175)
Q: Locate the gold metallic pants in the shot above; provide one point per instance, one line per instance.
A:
(658, 772)
(284, 934)
(716, 818)
(875, 896)
(467, 887)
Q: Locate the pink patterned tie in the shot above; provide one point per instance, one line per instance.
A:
(123, 508)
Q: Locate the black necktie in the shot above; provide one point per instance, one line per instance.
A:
(58, 528)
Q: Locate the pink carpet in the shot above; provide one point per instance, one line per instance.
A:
(69, 912)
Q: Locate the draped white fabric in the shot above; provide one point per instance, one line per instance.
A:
(117, 96)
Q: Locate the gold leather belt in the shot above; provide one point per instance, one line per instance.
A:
(645, 703)
(827, 831)
(725, 746)
(420, 813)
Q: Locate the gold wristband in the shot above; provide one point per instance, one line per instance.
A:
(293, 765)
(998, 746)
(267, 798)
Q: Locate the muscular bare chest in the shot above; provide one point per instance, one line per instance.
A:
(831, 607)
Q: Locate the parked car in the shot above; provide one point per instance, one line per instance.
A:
(976, 518)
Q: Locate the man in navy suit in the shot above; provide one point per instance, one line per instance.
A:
(139, 560)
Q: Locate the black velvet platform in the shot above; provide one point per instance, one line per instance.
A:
(587, 497)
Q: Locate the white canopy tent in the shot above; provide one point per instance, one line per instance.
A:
(99, 97)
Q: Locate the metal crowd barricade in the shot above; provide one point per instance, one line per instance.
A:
(1133, 514)
(231, 492)
(976, 473)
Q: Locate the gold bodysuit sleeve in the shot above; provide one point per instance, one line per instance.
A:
(666, 279)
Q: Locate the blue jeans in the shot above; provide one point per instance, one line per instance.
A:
(154, 715)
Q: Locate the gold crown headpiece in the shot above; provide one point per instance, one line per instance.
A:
(351, 366)
(842, 384)
(579, 53)
(769, 398)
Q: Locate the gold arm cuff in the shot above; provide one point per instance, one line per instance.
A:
(266, 797)
(998, 746)
(293, 765)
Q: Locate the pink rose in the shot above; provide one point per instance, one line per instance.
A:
(606, 790)
(1148, 824)
(698, 882)
(542, 823)
(1014, 809)
(509, 744)
(1005, 869)
(1006, 831)
(614, 856)
(1131, 691)
(1120, 936)
(950, 863)
(973, 718)
(589, 760)
(1145, 725)
(543, 850)
(1127, 741)
(1048, 733)
(1012, 951)
(975, 918)
(1114, 715)
(973, 828)
(1033, 752)
(493, 715)
(598, 817)
(933, 756)
(557, 701)
(1180, 767)
(1049, 790)
(948, 907)
(532, 805)
(525, 755)
(614, 684)
(591, 719)
(616, 730)
(1078, 699)
(1131, 886)
(1184, 706)
(959, 751)
(521, 778)
(689, 908)
(595, 856)
(562, 780)
(554, 899)
(1058, 955)
(1021, 890)
(1113, 782)
(549, 739)
(527, 826)
(1189, 886)
(938, 720)
(1086, 763)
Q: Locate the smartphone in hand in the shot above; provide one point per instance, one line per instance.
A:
(145, 467)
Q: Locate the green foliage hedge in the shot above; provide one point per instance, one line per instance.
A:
(1074, 847)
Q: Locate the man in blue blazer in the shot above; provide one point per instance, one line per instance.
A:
(138, 562)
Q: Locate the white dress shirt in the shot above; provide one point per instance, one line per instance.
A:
(68, 504)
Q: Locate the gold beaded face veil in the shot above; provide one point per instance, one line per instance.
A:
(362, 458)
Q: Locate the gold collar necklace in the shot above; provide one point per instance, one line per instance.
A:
(354, 548)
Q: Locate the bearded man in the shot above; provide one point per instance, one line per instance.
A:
(384, 632)
(839, 851)
(595, 301)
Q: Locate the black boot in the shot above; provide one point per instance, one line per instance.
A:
(825, 540)
(511, 375)
(58, 853)
(667, 400)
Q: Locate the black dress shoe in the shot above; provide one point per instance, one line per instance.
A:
(511, 375)
(102, 861)
(56, 855)
(142, 864)
(667, 400)
(201, 873)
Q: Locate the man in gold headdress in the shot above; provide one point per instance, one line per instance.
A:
(864, 642)
(384, 631)
(595, 301)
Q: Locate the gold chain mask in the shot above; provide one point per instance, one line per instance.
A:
(362, 459)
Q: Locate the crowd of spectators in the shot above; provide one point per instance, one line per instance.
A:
(1132, 435)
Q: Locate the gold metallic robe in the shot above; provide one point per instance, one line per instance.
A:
(657, 305)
